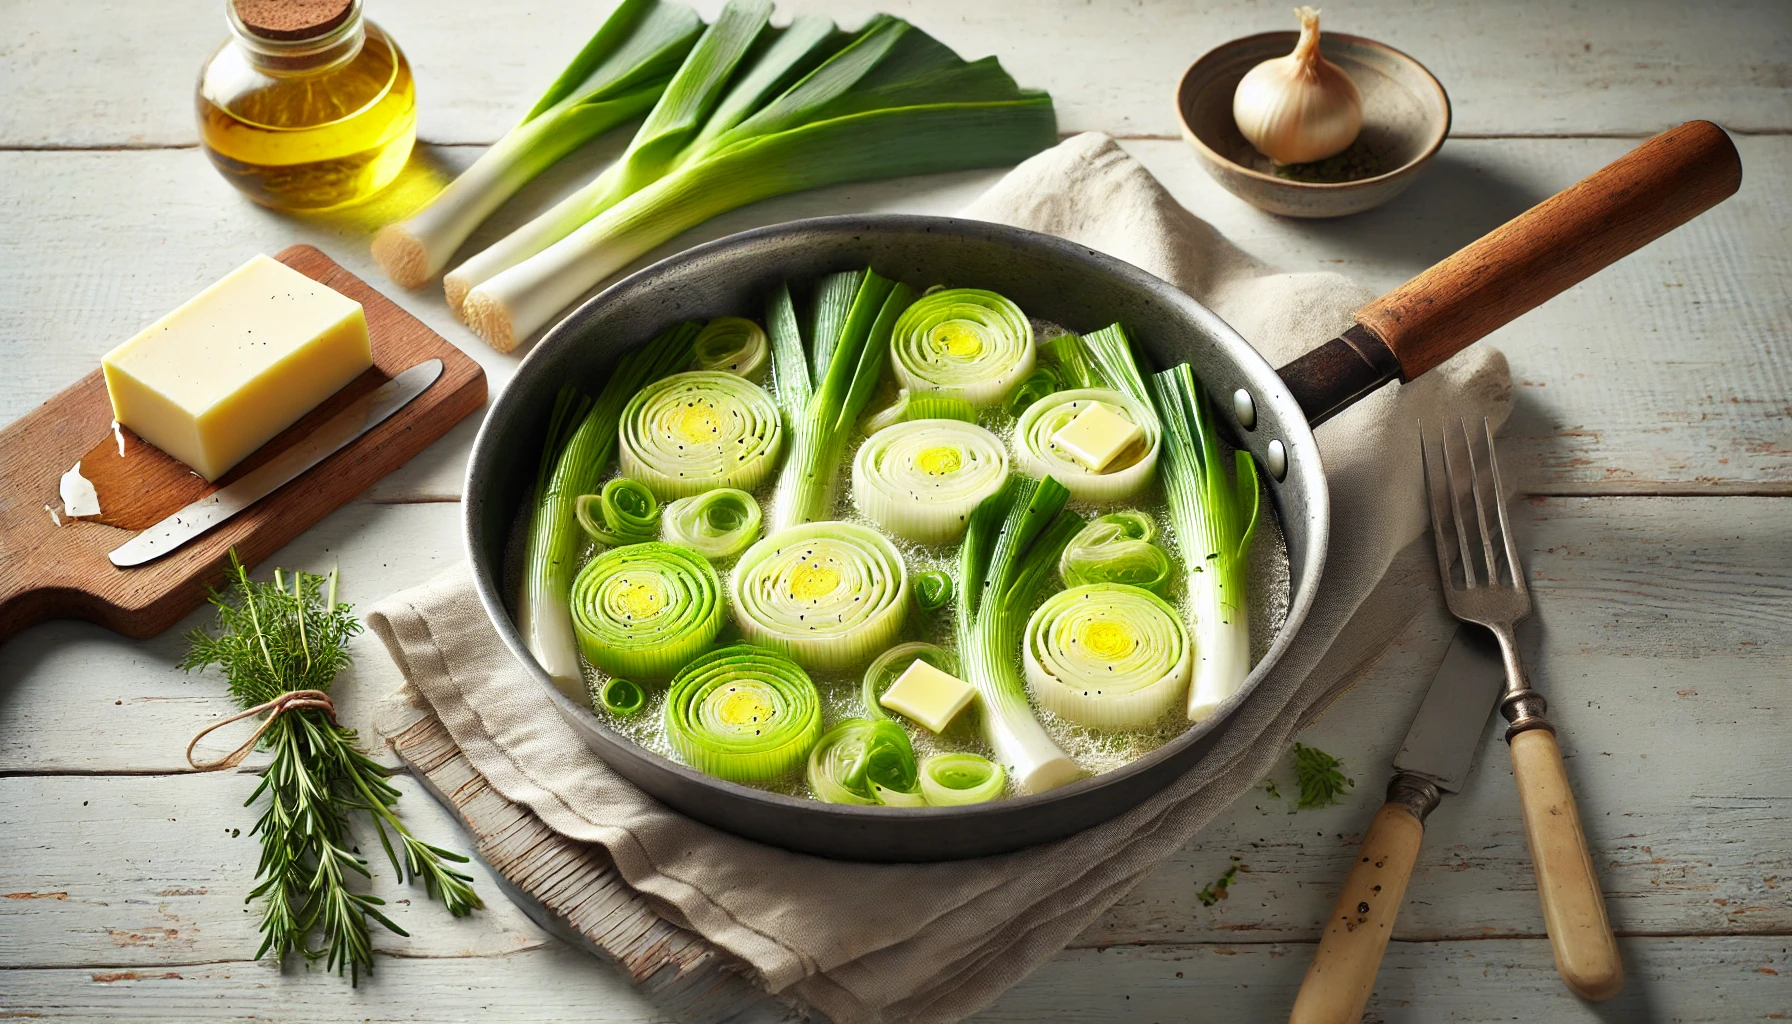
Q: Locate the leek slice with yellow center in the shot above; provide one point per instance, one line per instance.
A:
(967, 342)
(695, 431)
(1117, 548)
(743, 713)
(646, 609)
(1038, 455)
(921, 480)
(718, 524)
(1108, 656)
(830, 595)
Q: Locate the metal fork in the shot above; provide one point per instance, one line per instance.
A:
(1491, 592)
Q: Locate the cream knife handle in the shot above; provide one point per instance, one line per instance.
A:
(1573, 907)
(1342, 974)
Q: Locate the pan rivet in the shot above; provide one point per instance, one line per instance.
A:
(1244, 409)
(1277, 460)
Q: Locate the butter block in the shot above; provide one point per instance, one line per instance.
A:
(928, 696)
(1097, 436)
(238, 363)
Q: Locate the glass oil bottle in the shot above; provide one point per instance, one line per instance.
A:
(307, 106)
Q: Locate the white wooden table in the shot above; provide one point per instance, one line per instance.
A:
(1653, 431)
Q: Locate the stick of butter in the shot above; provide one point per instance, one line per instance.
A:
(928, 696)
(1097, 436)
(238, 363)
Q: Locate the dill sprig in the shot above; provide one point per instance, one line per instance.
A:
(274, 638)
(1321, 783)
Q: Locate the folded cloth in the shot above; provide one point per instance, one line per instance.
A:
(963, 932)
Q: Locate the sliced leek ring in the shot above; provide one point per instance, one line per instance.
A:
(830, 595)
(621, 697)
(933, 590)
(865, 761)
(732, 344)
(956, 779)
(1107, 656)
(644, 610)
(744, 714)
(929, 406)
(692, 432)
(1037, 456)
(1117, 548)
(968, 342)
(624, 513)
(921, 480)
(892, 663)
(718, 524)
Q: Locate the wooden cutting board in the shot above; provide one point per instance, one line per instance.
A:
(51, 571)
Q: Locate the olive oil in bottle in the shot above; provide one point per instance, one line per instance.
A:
(307, 106)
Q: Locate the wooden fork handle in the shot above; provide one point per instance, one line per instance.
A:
(1573, 908)
(1655, 188)
(1342, 974)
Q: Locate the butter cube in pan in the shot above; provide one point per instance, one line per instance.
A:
(928, 696)
(1098, 436)
(238, 363)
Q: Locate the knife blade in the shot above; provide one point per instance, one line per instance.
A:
(1438, 751)
(331, 436)
(1440, 746)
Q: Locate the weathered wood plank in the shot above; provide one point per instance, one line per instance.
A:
(1666, 373)
(1653, 639)
(1635, 68)
(1668, 979)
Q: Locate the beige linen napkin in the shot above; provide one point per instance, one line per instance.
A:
(963, 932)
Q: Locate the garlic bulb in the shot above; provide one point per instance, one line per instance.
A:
(1301, 107)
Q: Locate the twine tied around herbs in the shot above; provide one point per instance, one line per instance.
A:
(292, 700)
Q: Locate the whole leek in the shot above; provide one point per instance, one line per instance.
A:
(1215, 514)
(1008, 556)
(892, 102)
(619, 74)
(581, 442)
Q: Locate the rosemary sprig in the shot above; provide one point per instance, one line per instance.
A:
(274, 638)
(1321, 783)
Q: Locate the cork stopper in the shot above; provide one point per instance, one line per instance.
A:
(291, 20)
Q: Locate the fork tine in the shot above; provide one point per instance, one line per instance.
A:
(1474, 479)
(1499, 502)
(1436, 491)
(1468, 559)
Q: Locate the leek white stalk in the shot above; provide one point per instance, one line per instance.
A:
(733, 344)
(744, 714)
(892, 102)
(1301, 107)
(1214, 515)
(854, 314)
(829, 595)
(717, 524)
(646, 609)
(1037, 455)
(966, 342)
(921, 480)
(619, 74)
(694, 431)
(1008, 555)
(581, 440)
(1107, 656)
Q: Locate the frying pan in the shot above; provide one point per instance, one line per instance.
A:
(1667, 181)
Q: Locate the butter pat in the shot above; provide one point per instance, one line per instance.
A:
(240, 362)
(1097, 436)
(928, 696)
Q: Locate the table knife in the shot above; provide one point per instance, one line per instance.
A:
(1434, 759)
(331, 436)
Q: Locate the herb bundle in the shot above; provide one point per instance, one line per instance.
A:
(1321, 783)
(290, 638)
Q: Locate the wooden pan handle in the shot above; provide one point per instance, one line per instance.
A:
(1542, 252)
(1342, 974)
(1573, 908)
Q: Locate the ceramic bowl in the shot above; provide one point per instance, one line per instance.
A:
(1406, 116)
